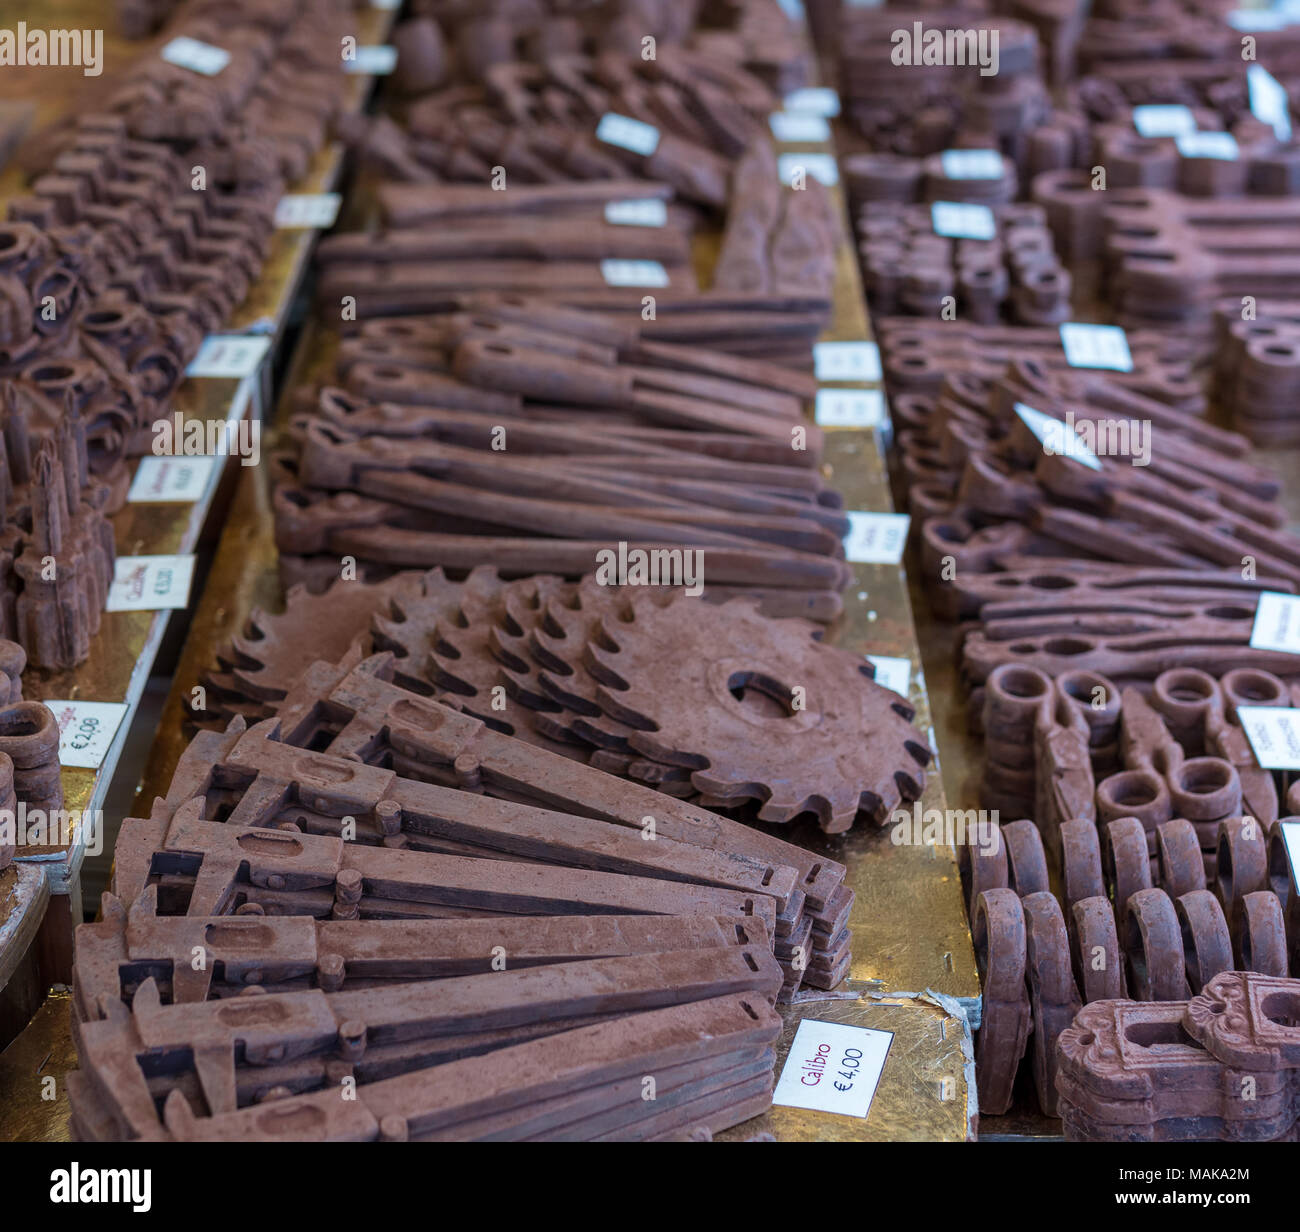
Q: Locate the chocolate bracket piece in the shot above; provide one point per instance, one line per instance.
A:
(1154, 945)
(1206, 942)
(1178, 851)
(355, 709)
(1081, 873)
(1026, 861)
(1259, 933)
(998, 931)
(1248, 1020)
(1241, 859)
(1053, 996)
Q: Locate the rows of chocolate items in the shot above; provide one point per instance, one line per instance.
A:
(330, 708)
(1173, 870)
(1220, 1066)
(1016, 275)
(296, 1028)
(114, 269)
(607, 438)
(573, 668)
(1255, 365)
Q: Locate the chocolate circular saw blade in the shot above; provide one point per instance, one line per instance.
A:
(756, 707)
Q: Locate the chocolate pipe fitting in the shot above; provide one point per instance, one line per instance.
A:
(1205, 789)
(1142, 794)
(1154, 948)
(1259, 934)
(1125, 863)
(1207, 944)
(1241, 860)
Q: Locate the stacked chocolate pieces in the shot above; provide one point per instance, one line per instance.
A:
(431, 842)
(578, 1028)
(1220, 1067)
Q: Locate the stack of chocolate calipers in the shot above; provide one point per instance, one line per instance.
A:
(374, 917)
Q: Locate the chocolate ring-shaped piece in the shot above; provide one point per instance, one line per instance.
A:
(1205, 789)
(1013, 696)
(1134, 793)
(1125, 863)
(1248, 686)
(29, 734)
(1026, 860)
(1182, 868)
(1207, 944)
(1241, 861)
(1053, 996)
(1259, 934)
(998, 931)
(1185, 696)
(1081, 861)
(1086, 689)
(988, 871)
(1154, 948)
(1094, 947)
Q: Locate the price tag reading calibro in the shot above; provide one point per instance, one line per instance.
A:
(846, 361)
(794, 169)
(815, 100)
(971, 164)
(1291, 845)
(1274, 735)
(799, 126)
(1056, 436)
(627, 133)
(962, 220)
(1268, 101)
(314, 211)
(171, 480)
(1207, 145)
(150, 583)
(621, 273)
(375, 61)
(233, 356)
(1277, 623)
(198, 57)
(833, 1068)
(849, 408)
(1096, 346)
(86, 730)
(1163, 119)
(876, 538)
(643, 212)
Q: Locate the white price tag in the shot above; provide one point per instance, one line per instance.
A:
(646, 212)
(1057, 436)
(1291, 845)
(849, 408)
(892, 673)
(386, 6)
(876, 538)
(795, 169)
(229, 355)
(846, 361)
(1277, 623)
(1207, 145)
(793, 9)
(198, 57)
(833, 1068)
(618, 273)
(962, 220)
(971, 164)
(1249, 21)
(86, 730)
(792, 126)
(315, 211)
(150, 583)
(374, 61)
(171, 480)
(816, 100)
(1096, 346)
(627, 133)
(1274, 735)
(1268, 100)
(1163, 119)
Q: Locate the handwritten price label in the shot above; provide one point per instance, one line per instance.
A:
(876, 538)
(86, 730)
(232, 356)
(172, 481)
(833, 1068)
(150, 583)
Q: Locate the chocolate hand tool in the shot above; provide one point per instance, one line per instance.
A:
(410, 205)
